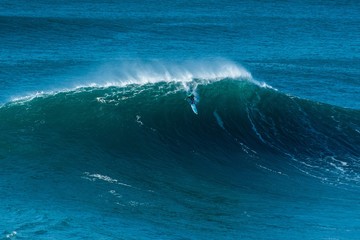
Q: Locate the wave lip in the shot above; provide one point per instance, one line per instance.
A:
(144, 72)
(122, 74)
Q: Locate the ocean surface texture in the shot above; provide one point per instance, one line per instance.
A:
(97, 141)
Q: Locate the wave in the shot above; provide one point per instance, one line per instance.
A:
(239, 124)
(142, 72)
(120, 74)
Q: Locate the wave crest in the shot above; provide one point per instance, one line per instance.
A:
(140, 72)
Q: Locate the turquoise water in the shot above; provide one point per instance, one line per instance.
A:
(97, 142)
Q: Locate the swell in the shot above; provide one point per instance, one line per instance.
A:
(239, 124)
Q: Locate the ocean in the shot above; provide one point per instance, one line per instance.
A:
(98, 142)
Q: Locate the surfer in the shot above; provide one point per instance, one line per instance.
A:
(191, 98)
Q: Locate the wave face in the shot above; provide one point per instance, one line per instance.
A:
(237, 118)
(144, 141)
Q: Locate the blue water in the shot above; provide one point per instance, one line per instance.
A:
(97, 142)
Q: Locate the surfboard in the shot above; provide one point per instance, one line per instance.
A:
(193, 107)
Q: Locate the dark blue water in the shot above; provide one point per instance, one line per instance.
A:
(97, 142)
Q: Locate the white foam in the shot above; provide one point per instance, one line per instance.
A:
(93, 177)
(138, 117)
(11, 235)
(139, 72)
(254, 127)
(338, 167)
(270, 170)
(28, 97)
